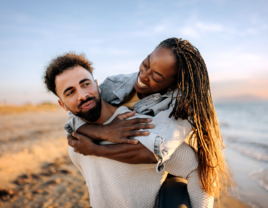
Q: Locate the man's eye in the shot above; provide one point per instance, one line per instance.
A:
(86, 84)
(71, 92)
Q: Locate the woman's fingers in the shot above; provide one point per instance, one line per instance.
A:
(129, 141)
(124, 116)
(138, 120)
(71, 140)
(135, 133)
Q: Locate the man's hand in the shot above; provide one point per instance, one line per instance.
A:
(119, 129)
(81, 144)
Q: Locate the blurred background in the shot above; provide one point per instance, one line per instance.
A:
(116, 36)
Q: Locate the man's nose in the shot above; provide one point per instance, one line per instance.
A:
(82, 95)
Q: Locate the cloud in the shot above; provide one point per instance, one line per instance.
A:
(230, 65)
(199, 28)
(190, 32)
(183, 3)
(109, 51)
(159, 28)
(209, 27)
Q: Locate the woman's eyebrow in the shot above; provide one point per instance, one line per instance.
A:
(148, 57)
(159, 74)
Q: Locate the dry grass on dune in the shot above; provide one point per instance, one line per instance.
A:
(12, 109)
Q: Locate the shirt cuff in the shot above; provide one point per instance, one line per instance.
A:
(155, 144)
(73, 124)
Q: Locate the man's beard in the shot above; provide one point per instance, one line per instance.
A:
(94, 113)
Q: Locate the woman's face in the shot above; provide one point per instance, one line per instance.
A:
(157, 72)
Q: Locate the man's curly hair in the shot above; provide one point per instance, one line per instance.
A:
(62, 63)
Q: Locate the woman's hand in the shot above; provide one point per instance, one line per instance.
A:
(119, 129)
(81, 144)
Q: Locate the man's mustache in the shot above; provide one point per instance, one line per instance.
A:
(84, 101)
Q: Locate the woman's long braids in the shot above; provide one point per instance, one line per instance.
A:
(194, 103)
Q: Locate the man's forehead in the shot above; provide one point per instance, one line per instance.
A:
(71, 77)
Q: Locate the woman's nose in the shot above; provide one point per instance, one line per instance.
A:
(144, 74)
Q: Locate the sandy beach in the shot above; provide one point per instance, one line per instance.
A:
(35, 170)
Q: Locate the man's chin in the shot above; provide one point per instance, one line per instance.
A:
(91, 115)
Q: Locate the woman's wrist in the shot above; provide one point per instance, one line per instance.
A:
(100, 132)
(99, 150)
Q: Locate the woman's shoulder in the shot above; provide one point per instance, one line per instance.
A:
(121, 78)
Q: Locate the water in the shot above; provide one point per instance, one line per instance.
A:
(244, 127)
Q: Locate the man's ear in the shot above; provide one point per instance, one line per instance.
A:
(96, 82)
(62, 105)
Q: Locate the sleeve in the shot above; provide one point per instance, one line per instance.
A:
(183, 163)
(198, 197)
(73, 123)
(167, 136)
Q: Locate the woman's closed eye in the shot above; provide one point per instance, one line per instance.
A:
(157, 78)
(144, 64)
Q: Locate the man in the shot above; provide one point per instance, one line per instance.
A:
(111, 183)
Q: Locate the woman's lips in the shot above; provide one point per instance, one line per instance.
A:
(141, 85)
(88, 105)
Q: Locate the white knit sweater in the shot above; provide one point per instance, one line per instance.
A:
(115, 184)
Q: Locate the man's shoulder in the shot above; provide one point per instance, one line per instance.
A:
(120, 110)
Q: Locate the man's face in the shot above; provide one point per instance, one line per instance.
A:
(79, 93)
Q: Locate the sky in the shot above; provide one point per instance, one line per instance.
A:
(116, 36)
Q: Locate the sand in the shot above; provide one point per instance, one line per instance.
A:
(35, 170)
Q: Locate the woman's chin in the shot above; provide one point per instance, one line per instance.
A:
(140, 89)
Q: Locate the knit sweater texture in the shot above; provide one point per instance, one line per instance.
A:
(116, 184)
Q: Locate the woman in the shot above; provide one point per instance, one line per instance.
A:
(177, 68)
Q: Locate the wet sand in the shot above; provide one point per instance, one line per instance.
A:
(35, 170)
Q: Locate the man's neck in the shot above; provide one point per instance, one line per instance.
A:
(107, 112)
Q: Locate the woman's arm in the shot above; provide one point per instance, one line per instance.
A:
(127, 153)
(117, 131)
(167, 136)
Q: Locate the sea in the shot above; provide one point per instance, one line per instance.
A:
(244, 127)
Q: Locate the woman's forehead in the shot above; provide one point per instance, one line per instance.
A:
(163, 60)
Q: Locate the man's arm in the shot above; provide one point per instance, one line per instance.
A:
(127, 153)
(183, 163)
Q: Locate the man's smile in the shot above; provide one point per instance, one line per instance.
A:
(88, 105)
